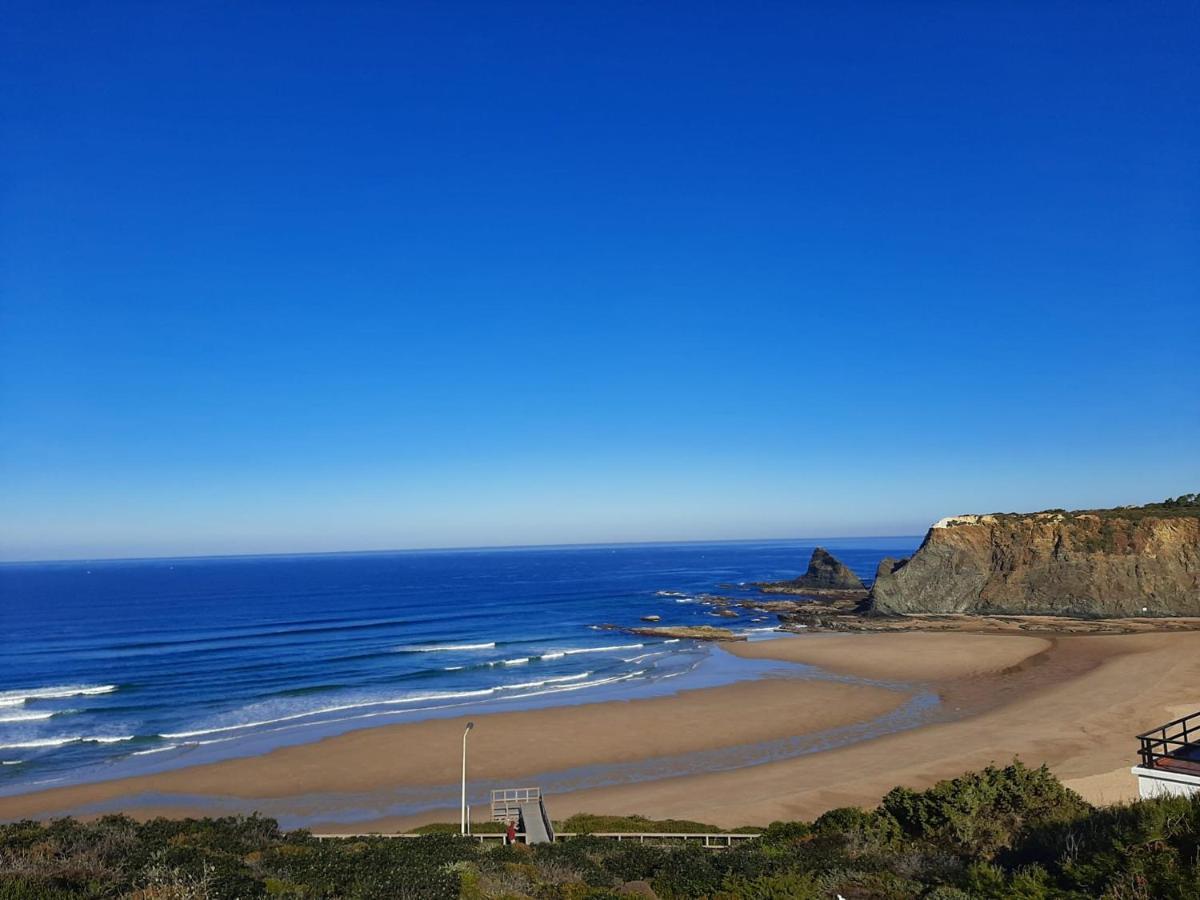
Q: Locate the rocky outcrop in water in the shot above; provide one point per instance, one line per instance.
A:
(687, 632)
(825, 574)
(1142, 561)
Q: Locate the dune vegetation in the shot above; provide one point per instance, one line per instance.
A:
(1004, 832)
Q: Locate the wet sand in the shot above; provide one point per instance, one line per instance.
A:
(508, 745)
(902, 656)
(1073, 702)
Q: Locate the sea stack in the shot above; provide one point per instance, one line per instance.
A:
(827, 573)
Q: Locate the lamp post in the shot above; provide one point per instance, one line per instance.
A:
(463, 817)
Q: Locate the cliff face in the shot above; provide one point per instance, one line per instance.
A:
(1047, 563)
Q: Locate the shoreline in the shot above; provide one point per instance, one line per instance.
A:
(352, 766)
(1072, 701)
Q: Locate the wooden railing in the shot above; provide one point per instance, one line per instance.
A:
(1169, 742)
(712, 841)
(506, 804)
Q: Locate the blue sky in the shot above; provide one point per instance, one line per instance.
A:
(322, 276)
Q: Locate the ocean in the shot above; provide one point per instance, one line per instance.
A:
(121, 667)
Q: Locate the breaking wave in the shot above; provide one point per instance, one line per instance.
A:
(57, 692)
(24, 716)
(62, 741)
(435, 648)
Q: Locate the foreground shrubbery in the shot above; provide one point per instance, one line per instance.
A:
(1000, 833)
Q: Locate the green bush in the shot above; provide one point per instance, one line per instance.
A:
(589, 823)
(982, 812)
(1010, 832)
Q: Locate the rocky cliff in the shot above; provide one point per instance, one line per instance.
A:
(826, 573)
(1096, 563)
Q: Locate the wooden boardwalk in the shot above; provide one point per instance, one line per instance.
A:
(715, 841)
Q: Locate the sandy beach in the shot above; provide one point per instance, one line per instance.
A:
(1073, 702)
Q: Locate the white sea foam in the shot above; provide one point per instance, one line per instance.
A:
(11, 762)
(24, 716)
(44, 742)
(587, 684)
(433, 648)
(416, 698)
(603, 649)
(73, 739)
(543, 682)
(56, 692)
(557, 654)
(453, 668)
(516, 661)
(672, 641)
(640, 657)
(154, 750)
(374, 715)
(561, 682)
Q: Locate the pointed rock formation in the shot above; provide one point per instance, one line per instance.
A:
(827, 573)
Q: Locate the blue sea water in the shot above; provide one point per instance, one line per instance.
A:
(111, 668)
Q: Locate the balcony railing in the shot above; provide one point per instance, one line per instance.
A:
(1175, 745)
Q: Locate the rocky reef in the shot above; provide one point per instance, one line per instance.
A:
(1135, 561)
(685, 632)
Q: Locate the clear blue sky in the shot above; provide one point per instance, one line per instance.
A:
(319, 276)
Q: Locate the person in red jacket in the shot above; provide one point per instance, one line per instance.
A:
(510, 833)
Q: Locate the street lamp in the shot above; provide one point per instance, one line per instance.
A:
(463, 817)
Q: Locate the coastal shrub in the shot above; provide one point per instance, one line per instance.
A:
(634, 862)
(1009, 832)
(982, 812)
(1155, 844)
(788, 886)
(687, 872)
(858, 828)
(589, 823)
(748, 861)
(581, 856)
(32, 889)
(946, 892)
(375, 867)
(876, 885)
(453, 828)
(786, 832)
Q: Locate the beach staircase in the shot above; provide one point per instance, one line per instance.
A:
(527, 807)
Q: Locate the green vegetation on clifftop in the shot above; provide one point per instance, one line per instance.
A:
(1172, 507)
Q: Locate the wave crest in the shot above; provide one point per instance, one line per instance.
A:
(54, 692)
(435, 648)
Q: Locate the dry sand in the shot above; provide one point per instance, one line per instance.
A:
(1073, 702)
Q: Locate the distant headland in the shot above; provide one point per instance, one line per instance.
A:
(1132, 562)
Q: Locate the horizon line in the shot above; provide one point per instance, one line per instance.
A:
(465, 549)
